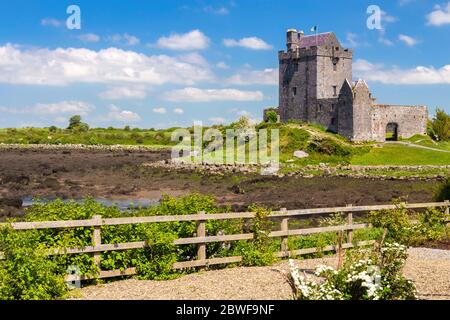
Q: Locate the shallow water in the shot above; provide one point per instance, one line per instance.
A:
(123, 204)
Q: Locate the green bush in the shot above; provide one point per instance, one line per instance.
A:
(26, 273)
(329, 147)
(443, 192)
(153, 262)
(407, 228)
(259, 251)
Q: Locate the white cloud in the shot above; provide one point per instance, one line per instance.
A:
(253, 43)
(89, 37)
(222, 65)
(178, 111)
(118, 93)
(194, 58)
(410, 41)
(193, 40)
(440, 16)
(125, 116)
(112, 65)
(124, 39)
(208, 95)
(352, 39)
(217, 120)
(419, 75)
(160, 110)
(268, 76)
(51, 22)
(222, 11)
(385, 17)
(73, 107)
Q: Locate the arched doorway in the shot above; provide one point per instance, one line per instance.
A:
(392, 131)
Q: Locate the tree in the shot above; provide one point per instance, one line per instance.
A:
(76, 124)
(440, 126)
(74, 121)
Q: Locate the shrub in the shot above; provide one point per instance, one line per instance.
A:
(152, 262)
(26, 273)
(400, 225)
(376, 275)
(329, 147)
(443, 192)
(259, 251)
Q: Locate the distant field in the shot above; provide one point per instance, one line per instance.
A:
(394, 154)
(98, 136)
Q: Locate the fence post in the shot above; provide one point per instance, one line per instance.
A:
(350, 222)
(201, 232)
(447, 206)
(284, 239)
(97, 240)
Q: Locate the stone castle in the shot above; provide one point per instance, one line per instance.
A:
(316, 86)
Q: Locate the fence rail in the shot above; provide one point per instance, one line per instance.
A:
(201, 239)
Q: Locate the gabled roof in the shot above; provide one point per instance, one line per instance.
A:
(360, 82)
(313, 40)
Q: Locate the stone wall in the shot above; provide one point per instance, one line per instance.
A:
(362, 106)
(411, 120)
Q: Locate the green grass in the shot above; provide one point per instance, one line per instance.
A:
(395, 154)
(98, 136)
(426, 141)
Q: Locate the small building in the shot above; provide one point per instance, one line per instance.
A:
(315, 85)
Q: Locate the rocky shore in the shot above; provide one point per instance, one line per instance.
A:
(309, 171)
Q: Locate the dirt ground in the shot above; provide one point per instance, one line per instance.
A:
(428, 268)
(117, 175)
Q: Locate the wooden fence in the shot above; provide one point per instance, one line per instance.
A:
(201, 239)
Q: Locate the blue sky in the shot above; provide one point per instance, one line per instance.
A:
(169, 63)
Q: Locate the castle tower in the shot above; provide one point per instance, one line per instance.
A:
(312, 73)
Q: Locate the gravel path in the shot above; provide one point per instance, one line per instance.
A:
(429, 268)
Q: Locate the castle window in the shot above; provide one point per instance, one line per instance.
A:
(333, 107)
(335, 91)
(294, 91)
(333, 121)
(319, 108)
(334, 67)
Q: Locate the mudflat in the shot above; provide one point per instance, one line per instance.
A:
(120, 175)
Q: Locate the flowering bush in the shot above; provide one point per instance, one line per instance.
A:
(373, 275)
